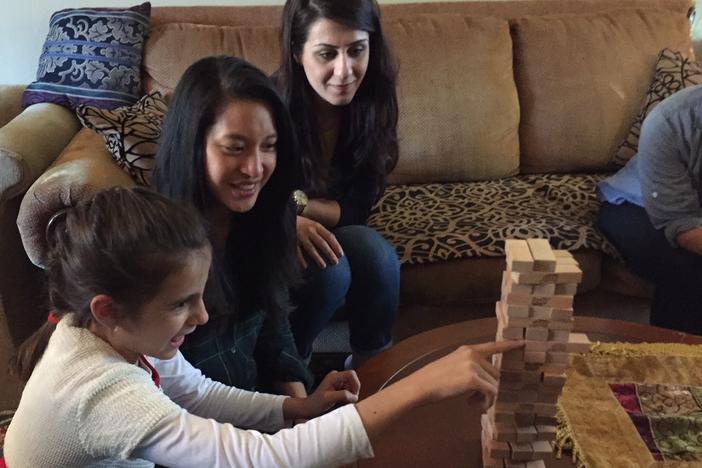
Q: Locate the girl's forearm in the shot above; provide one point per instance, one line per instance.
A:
(381, 409)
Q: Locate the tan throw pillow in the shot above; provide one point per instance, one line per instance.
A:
(673, 73)
(581, 79)
(131, 133)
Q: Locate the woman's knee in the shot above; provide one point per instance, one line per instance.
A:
(365, 247)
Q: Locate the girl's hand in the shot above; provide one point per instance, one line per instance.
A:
(318, 242)
(467, 370)
(336, 388)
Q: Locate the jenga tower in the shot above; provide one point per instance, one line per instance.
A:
(537, 306)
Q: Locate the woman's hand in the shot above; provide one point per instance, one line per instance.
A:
(318, 242)
(336, 388)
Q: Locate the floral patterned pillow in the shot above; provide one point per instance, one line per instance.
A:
(131, 133)
(91, 56)
(673, 73)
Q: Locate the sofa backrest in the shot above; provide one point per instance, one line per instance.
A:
(485, 88)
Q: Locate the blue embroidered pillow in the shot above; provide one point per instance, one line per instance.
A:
(91, 56)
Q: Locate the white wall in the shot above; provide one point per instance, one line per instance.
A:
(24, 24)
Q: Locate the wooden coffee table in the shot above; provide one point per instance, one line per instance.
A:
(447, 434)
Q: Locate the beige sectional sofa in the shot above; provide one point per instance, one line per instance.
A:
(510, 112)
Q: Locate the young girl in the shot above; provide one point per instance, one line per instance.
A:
(338, 79)
(228, 148)
(127, 271)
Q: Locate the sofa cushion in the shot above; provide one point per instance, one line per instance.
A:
(459, 111)
(435, 222)
(673, 73)
(130, 133)
(581, 79)
(91, 56)
(171, 48)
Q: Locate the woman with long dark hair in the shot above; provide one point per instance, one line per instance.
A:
(228, 148)
(338, 79)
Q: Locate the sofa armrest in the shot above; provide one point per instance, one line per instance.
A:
(30, 142)
(84, 167)
(10, 102)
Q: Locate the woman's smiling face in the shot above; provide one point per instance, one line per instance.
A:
(335, 60)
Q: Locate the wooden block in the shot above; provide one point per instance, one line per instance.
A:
(498, 449)
(537, 334)
(513, 333)
(548, 289)
(545, 420)
(535, 357)
(518, 255)
(509, 286)
(549, 397)
(556, 357)
(505, 432)
(507, 396)
(540, 312)
(558, 335)
(553, 379)
(544, 259)
(533, 367)
(510, 322)
(569, 289)
(531, 377)
(488, 461)
(578, 343)
(527, 433)
(541, 448)
(521, 451)
(561, 314)
(535, 278)
(504, 417)
(567, 273)
(537, 346)
(516, 298)
(553, 368)
(514, 464)
(545, 409)
(507, 375)
(535, 464)
(515, 310)
(524, 418)
(567, 325)
(526, 396)
(546, 432)
(560, 302)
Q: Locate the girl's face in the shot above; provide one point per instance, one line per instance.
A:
(335, 60)
(175, 311)
(240, 154)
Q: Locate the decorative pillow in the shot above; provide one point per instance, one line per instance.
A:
(131, 133)
(673, 73)
(91, 56)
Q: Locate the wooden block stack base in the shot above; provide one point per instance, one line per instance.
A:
(536, 305)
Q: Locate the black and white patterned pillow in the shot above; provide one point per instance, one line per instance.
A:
(131, 133)
(673, 73)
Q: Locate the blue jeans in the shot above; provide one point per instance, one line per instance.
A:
(675, 272)
(366, 282)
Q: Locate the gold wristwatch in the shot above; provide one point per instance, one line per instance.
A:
(301, 201)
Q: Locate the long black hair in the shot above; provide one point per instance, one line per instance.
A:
(368, 130)
(259, 261)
